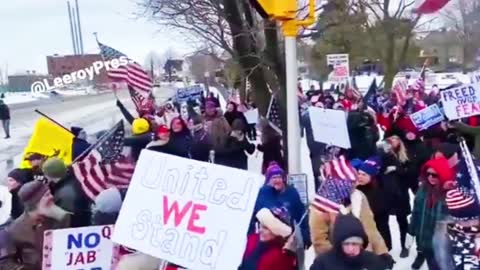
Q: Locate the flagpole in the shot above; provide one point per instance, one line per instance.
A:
(49, 118)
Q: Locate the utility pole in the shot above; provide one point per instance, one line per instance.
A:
(285, 12)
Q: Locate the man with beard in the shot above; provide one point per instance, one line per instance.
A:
(41, 214)
(348, 252)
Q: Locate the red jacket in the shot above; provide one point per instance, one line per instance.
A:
(274, 258)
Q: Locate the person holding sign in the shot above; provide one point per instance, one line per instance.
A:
(270, 249)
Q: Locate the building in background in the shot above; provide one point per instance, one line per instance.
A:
(443, 48)
(22, 82)
(66, 64)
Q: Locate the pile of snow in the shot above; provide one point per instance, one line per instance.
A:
(19, 97)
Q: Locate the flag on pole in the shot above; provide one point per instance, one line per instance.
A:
(104, 166)
(399, 89)
(273, 115)
(132, 74)
(339, 168)
(370, 98)
(51, 140)
(431, 6)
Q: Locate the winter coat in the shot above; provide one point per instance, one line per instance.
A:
(394, 187)
(128, 116)
(418, 154)
(316, 148)
(201, 146)
(233, 155)
(27, 237)
(69, 195)
(272, 151)
(4, 112)
(162, 147)
(424, 219)
(268, 197)
(321, 226)
(335, 259)
(235, 114)
(79, 147)
(363, 134)
(138, 142)
(180, 144)
(267, 255)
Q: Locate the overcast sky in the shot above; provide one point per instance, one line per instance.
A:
(33, 29)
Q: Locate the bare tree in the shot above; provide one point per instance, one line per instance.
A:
(463, 17)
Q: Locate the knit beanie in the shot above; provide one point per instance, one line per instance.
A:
(21, 175)
(274, 170)
(108, 201)
(277, 220)
(442, 168)
(76, 130)
(140, 126)
(54, 168)
(371, 166)
(31, 193)
(462, 204)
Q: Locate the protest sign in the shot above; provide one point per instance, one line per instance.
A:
(190, 213)
(251, 116)
(83, 248)
(330, 127)
(427, 117)
(189, 93)
(340, 64)
(462, 101)
(475, 77)
(299, 181)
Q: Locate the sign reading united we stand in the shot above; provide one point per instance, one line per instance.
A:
(462, 101)
(187, 212)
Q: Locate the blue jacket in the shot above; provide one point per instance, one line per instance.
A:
(268, 197)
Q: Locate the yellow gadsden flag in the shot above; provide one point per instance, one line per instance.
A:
(51, 140)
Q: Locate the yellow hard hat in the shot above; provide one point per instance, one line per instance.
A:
(140, 126)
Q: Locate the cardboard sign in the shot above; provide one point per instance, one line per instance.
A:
(341, 68)
(299, 181)
(251, 116)
(78, 248)
(427, 117)
(190, 213)
(330, 127)
(189, 93)
(462, 101)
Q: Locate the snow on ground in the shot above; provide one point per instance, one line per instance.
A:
(15, 98)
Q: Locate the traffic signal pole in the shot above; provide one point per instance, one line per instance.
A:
(285, 12)
(293, 120)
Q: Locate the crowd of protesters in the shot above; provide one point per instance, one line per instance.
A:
(347, 224)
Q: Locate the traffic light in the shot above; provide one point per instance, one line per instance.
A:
(276, 9)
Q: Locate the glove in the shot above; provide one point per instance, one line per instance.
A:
(388, 260)
(118, 103)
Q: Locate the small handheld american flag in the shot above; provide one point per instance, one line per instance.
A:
(273, 115)
(104, 166)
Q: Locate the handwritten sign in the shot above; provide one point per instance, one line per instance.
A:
(187, 212)
(299, 181)
(427, 117)
(462, 101)
(251, 116)
(86, 248)
(475, 77)
(330, 127)
(189, 93)
(341, 68)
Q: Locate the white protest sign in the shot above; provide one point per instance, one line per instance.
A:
(462, 101)
(475, 77)
(330, 127)
(190, 213)
(427, 117)
(341, 67)
(251, 116)
(78, 248)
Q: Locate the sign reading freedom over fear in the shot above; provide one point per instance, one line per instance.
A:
(462, 101)
(187, 212)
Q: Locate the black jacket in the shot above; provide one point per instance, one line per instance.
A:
(347, 226)
(233, 155)
(272, 151)
(69, 195)
(316, 148)
(4, 112)
(231, 116)
(138, 143)
(180, 144)
(363, 135)
(79, 146)
(201, 146)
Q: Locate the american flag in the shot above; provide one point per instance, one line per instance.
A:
(399, 89)
(104, 166)
(273, 115)
(133, 74)
(370, 98)
(339, 168)
(332, 195)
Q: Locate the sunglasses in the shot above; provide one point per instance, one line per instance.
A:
(433, 175)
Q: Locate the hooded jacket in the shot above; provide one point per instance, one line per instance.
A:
(235, 114)
(321, 226)
(347, 226)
